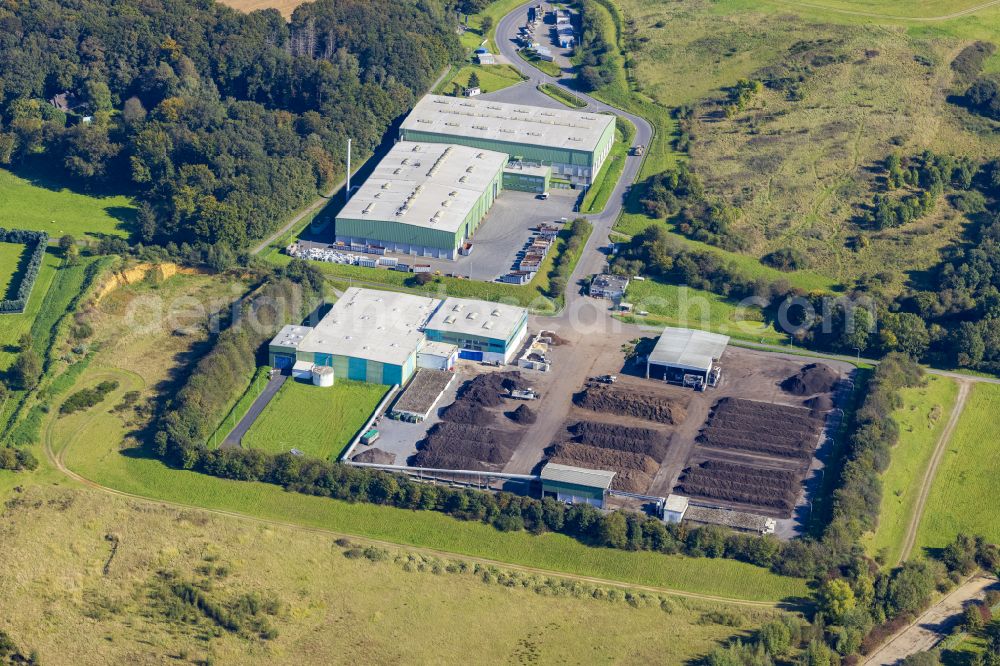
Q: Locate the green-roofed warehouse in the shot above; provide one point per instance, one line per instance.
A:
(574, 143)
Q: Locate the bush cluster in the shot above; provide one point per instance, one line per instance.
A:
(37, 241)
(575, 236)
(17, 459)
(87, 398)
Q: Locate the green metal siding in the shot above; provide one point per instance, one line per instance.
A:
(392, 231)
(572, 489)
(604, 144)
(526, 183)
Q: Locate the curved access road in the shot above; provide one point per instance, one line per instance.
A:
(592, 260)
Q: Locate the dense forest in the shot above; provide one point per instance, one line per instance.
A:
(219, 122)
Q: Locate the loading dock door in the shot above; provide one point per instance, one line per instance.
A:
(470, 355)
(283, 361)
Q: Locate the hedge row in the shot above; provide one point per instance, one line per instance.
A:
(38, 241)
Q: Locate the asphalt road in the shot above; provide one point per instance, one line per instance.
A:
(593, 260)
(235, 438)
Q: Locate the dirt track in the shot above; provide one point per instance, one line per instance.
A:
(931, 627)
(929, 474)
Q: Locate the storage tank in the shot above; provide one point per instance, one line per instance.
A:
(322, 376)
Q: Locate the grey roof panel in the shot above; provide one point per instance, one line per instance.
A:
(513, 123)
(688, 348)
(580, 476)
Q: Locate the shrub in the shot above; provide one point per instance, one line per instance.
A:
(37, 241)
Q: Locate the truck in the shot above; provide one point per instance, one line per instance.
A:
(523, 394)
(606, 379)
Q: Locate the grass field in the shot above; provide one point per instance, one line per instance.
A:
(143, 357)
(968, 478)
(10, 264)
(491, 79)
(598, 194)
(286, 7)
(799, 170)
(670, 305)
(921, 421)
(57, 211)
(13, 326)
(332, 609)
(562, 96)
(96, 447)
(320, 422)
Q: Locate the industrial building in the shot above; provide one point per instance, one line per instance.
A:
(383, 337)
(425, 199)
(368, 336)
(686, 356)
(611, 287)
(577, 485)
(574, 144)
(674, 508)
(482, 331)
(285, 346)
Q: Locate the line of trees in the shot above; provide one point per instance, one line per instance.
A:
(576, 235)
(219, 122)
(194, 412)
(36, 241)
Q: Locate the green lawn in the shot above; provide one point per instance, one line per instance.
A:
(921, 420)
(58, 211)
(967, 483)
(671, 305)
(320, 422)
(51, 298)
(13, 326)
(10, 262)
(562, 96)
(242, 405)
(92, 442)
(607, 178)
(491, 79)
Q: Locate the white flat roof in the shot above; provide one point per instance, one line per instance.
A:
(428, 185)
(464, 316)
(592, 478)
(676, 504)
(688, 349)
(439, 349)
(290, 336)
(515, 123)
(381, 326)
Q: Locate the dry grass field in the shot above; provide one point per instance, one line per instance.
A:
(96, 579)
(800, 170)
(286, 7)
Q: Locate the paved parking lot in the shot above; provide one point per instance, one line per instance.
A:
(502, 234)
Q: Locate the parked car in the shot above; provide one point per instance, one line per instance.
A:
(543, 196)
